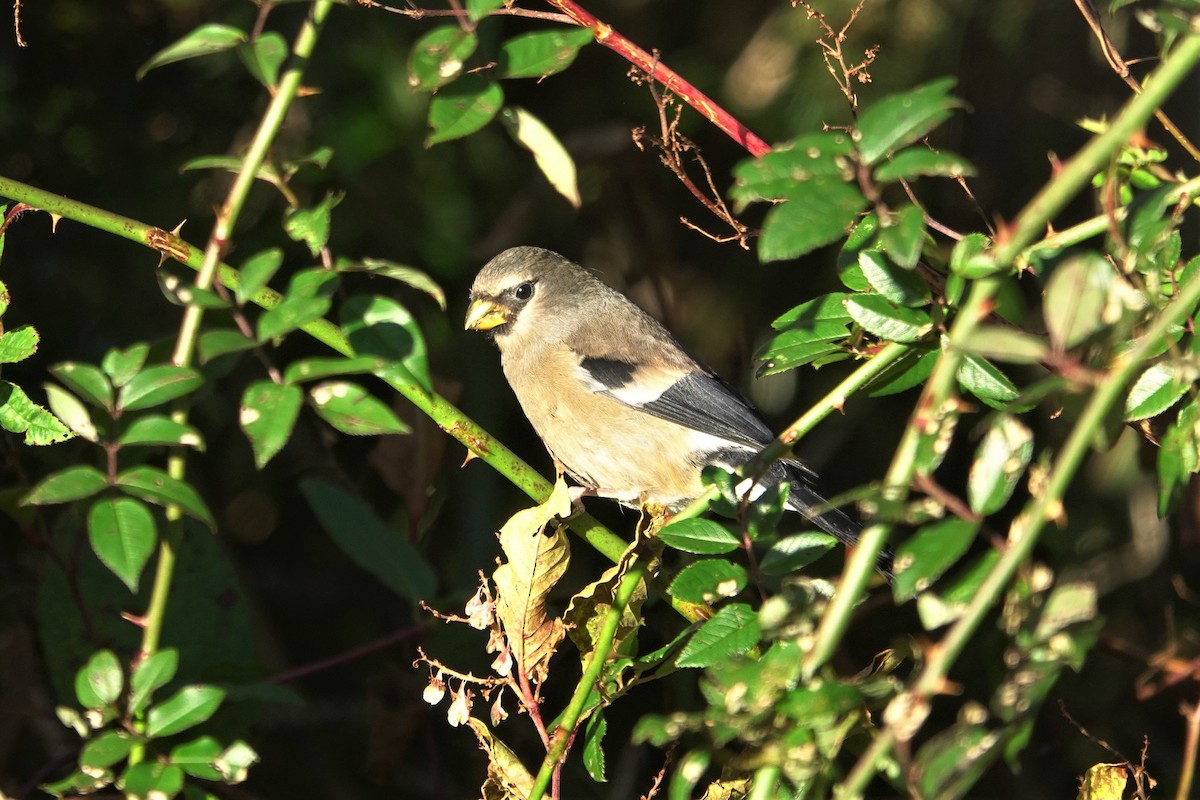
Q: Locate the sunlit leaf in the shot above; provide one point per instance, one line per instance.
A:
(71, 411)
(19, 414)
(731, 632)
(351, 409)
(123, 535)
(462, 108)
(157, 385)
(185, 709)
(267, 415)
(87, 381)
(927, 554)
(914, 162)
(1000, 461)
(702, 536)
(69, 483)
(417, 279)
(98, 683)
(1158, 388)
(902, 119)
(154, 429)
(151, 674)
(708, 581)
(437, 57)
(18, 344)
(264, 56)
(204, 40)
(257, 271)
(884, 319)
(156, 486)
(310, 226)
(541, 53)
(548, 152)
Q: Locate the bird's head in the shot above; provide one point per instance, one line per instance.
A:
(519, 286)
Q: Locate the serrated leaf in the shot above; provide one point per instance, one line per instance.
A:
(370, 543)
(1076, 294)
(904, 238)
(1005, 344)
(795, 552)
(708, 581)
(198, 758)
(548, 152)
(462, 108)
(351, 409)
(19, 414)
(731, 632)
(151, 674)
(884, 319)
(701, 536)
(437, 57)
(927, 554)
(264, 56)
(107, 749)
(971, 257)
(121, 365)
(204, 40)
(123, 535)
(70, 483)
(778, 174)
(826, 308)
(87, 381)
(310, 226)
(185, 709)
(154, 429)
(590, 605)
(18, 344)
(999, 463)
(1158, 388)
(98, 683)
(222, 341)
(796, 347)
(535, 558)
(541, 53)
(902, 286)
(157, 385)
(71, 411)
(381, 327)
(593, 745)
(411, 276)
(256, 272)
(267, 415)
(984, 380)
(914, 162)
(817, 212)
(156, 486)
(902, 119)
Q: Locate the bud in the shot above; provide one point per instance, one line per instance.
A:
(460, 707)
(435, 690)
(498, 712)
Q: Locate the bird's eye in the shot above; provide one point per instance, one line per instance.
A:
(523, 291)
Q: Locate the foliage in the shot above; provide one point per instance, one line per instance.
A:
(1019, 354)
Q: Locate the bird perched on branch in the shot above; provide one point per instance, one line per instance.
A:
(618, 402)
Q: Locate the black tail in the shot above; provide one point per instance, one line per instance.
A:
(833, 521)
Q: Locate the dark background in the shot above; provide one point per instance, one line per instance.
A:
(74, 120)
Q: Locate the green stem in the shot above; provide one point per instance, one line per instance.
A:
(1024, 531)
(766, 781)
(562, 735)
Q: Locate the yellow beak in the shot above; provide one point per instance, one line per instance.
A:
(483, 315)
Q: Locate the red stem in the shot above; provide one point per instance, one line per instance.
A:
(670, 79)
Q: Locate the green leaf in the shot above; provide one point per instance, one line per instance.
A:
(152, 780)
(462, 108)
(819, 211)
(984, 380)
(821, 706)
(1005, 344)
(70, 483)
(927, 554)
(936, 611)
(298, 308)
(310, 226)
(107, 749)
(549, 153)
(731, 632)
(910, 371)
(185, 709)
(256, 272)
(18, 344)
(19, 414)
(1178, 457)
(540, 53)
(182, 291)
(1076, 294)
(902, 286)
(795, 552)
(121, 365)
(593, 745)
(902, 119)
(914, 162)
(5, 298)
(156, 486)
(123, 535)
(826, 308)
(370, 543)
(264, 56)
(157, 385)
(701, 536)
(155, 430)
(971, 257)
(1158, 388)
(781, 173)
(99, 682)
(708, 581)
(411, 276)
(235, 762)
(954, 760)
(222, 341)
(202, 41)
(478, 9)
(999, 463)
(796, 347)
(381, 327)
(267, 415)
(198, 758)
(151, 674)
(73, 413)
(437, 57)
(904, 238)
(884, 319)
(78, 783)
(351, 409)
(314, 369)
(87, 381)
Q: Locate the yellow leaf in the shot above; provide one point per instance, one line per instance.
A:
(552, 158)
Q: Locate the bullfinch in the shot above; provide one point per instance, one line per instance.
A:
(618, 402)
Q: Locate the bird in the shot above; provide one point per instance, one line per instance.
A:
(621, 405)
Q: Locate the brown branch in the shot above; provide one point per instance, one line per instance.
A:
(674, 83)
(413, 12)
(17, 23)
